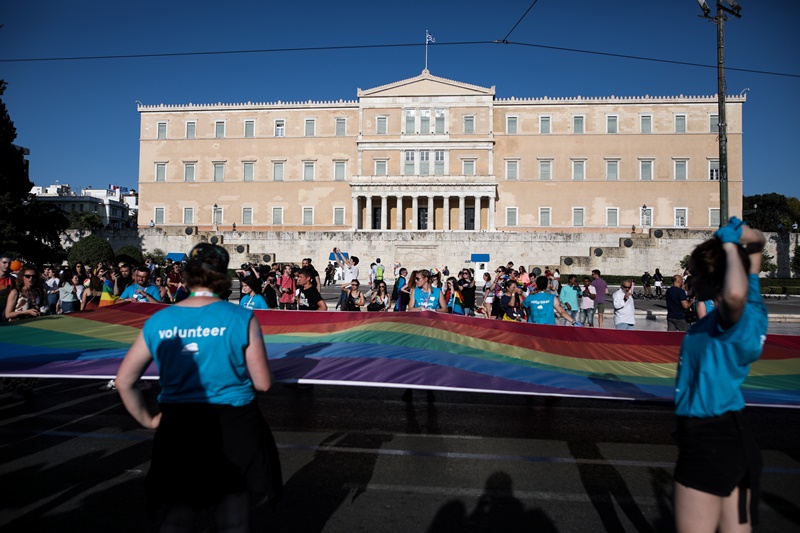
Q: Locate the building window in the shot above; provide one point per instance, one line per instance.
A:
(341, 127)
(469, 124)
(511, 125)
(219, 129)
(646, 123)
(713, 169)
(248, 170)
(512, 169)
(680, 123)
(217, 215)
(681, 172)
(249, 128)
(577, 124)
(612, 217)
(578, 170)
(545, 170)
(161, 172)
(188, 172)
(713, 217)
(338, 170)
(410, 121)
(247, 216)
(611, 124)
(408, 168)
(425, 121)
(381, 125)
(438, 162)
(713, 123)
(424, 162)
(544, 125)
(381, 167)
(439, 119)
(308, 216)
(219, 171)
(577, 216)
(159, 215)
(280, 128)
(646, 216)
(612, 170)
(311, 127)
(277, 216)
(338, 216)
(162, 130)
(468, 167)
(191, 129)
(277, 171)
(511, 216)
(188, 215)
(544, 216)
(646, 170)
(680, 217)
(308, 171)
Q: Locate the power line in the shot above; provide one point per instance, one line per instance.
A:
(377, 46)
(653, 59)
(505, 39)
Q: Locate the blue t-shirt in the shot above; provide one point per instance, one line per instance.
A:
(130, 292)
(199, 353)
(427, 300)
(714, 362)
(253, 301)
(674, 297)
(400, 282)
(569, 295)
(541, 309)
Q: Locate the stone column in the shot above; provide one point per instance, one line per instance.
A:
(399, 213)
(354, 216)
(430, 214)
(368, 221)
(384, 213)
(446, 214)
(491, 215)
(415, 212)
(477, 213)
(461, 209)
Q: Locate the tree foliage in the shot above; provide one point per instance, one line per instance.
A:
(767, 263)
(28, 228)
(91, 250)
(85, 221)
(794, 265)
(158, 256)
(130, 254)
(771, 212)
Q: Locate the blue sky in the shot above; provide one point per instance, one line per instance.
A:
(80, 122)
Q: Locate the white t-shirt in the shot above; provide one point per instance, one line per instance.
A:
(350, 273)
(586, 302)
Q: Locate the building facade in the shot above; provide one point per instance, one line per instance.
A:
(107, 204)
(432, 154)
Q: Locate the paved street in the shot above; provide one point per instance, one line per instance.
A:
(361, 460)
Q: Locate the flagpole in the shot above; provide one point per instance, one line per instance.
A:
(426, 49)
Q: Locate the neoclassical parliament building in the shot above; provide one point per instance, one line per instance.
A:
(433, 154)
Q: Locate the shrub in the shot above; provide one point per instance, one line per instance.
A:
(90, 250)
(158, 256)
(130, 254)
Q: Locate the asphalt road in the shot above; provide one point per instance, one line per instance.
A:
(362, 460)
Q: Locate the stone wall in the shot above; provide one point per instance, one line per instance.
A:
(612, 253)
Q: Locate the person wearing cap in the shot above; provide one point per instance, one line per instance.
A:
(646, 280)
(213, 451)
(251, 294)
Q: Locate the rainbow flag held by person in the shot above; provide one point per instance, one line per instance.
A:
(107, 295)
(424, 350)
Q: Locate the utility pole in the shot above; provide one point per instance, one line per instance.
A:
(719, 19)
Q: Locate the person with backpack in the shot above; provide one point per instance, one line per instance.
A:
(377, 273)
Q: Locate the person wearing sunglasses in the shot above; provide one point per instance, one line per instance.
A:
(27, 297)
(624, 310)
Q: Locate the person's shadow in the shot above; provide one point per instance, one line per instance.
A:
(497, 510)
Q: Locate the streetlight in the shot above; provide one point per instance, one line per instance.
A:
(731, 7)
(214, 215)
(644, 215)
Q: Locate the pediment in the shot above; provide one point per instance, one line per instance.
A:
(426, 84)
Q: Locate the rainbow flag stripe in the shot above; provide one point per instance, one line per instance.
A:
(419, 350)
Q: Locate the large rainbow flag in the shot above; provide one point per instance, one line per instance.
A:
(418, 350)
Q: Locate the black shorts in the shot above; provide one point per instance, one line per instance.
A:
(717, 455)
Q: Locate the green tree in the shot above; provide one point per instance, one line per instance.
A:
(130, 254)
(794, 265)
(91, 250)
(84, 221)
(767, 265)
(770, 212)
(158, 255)
(685, 261)
(28, 228)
